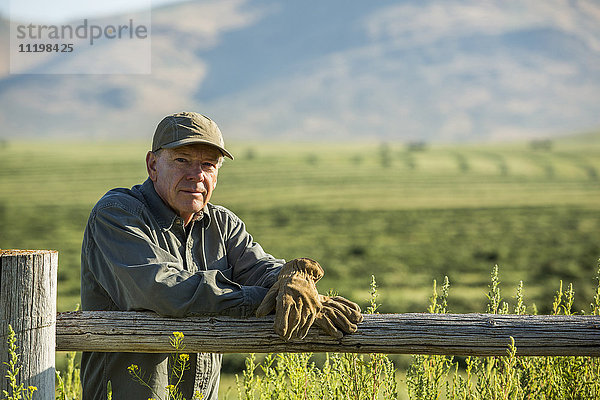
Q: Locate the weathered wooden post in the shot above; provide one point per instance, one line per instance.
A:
(28, 304)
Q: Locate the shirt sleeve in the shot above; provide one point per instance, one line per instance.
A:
(251, 264)
(127, 261)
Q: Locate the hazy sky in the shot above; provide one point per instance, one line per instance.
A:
(57, 11)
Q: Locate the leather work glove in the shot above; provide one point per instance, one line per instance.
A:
(294, 298)
(338, 315)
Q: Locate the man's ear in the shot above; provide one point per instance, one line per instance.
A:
(151, 160)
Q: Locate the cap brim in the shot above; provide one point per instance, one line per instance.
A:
(187, 141)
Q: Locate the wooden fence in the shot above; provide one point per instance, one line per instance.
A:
(28, 304)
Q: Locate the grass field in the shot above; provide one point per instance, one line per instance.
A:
(408, 217)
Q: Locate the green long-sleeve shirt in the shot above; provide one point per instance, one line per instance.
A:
(137, 255)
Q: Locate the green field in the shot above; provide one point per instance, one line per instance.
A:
(408, 217)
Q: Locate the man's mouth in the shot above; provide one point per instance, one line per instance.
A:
(194, 192)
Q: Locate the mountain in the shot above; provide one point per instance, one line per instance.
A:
(336, 70)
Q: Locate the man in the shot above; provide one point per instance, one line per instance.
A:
(161, 246)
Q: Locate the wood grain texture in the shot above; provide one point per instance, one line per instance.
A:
(28, 305)
(452, 334)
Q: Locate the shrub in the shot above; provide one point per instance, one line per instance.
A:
(16, 391)
(353, 376)
(342, 376)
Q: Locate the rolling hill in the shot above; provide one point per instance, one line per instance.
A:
(337, 71)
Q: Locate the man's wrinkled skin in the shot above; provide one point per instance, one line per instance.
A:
(184, 177)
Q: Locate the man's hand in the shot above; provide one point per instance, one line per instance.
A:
(295, 298)
(338, 315)
(298, 305)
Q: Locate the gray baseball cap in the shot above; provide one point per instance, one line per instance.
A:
(185, 128)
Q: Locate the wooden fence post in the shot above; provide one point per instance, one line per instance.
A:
(28, 304)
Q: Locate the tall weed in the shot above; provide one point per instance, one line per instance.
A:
(345, 376)
(16, 390)
(509, 376)
(356, 377)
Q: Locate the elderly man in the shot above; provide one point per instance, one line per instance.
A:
(161, 246)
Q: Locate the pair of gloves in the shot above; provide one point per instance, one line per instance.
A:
(298, 305)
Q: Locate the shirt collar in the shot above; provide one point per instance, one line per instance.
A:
(165, 216)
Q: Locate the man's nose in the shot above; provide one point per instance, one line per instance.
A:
(196, 173)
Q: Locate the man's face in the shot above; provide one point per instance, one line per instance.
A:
(184, 177)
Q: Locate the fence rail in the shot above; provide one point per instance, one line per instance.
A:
(456, 334)
(28, 304)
